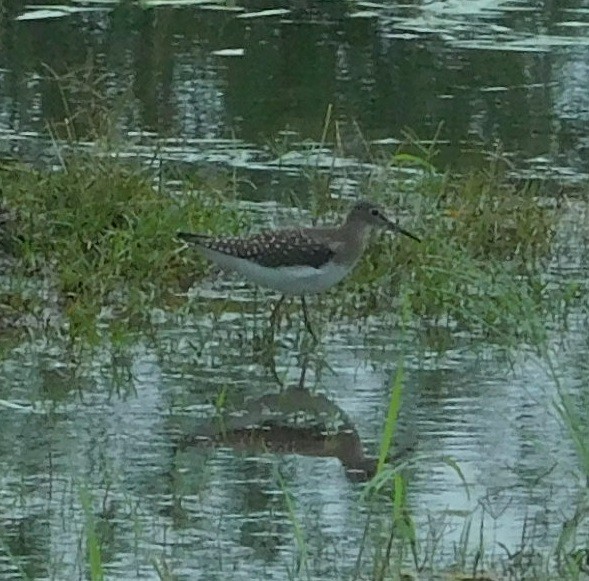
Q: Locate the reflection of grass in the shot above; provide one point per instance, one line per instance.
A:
(572, 549)
(404, 541)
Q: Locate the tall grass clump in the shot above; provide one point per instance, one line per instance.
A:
(103, 235)
(480, 268)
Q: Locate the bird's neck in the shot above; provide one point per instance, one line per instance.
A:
(353, 238)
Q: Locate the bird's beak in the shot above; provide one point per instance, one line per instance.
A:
(396, 228)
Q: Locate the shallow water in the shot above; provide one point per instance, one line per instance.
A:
(109, 427)
(103, 429)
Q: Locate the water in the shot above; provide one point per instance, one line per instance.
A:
(214, 88)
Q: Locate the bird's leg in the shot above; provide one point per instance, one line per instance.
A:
(273, 371)
(270, 355)
(274, 316)
(307, 321)
(304, 371)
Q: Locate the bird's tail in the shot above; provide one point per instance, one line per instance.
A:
(191, 238)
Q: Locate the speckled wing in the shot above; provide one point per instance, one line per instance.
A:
(270, 249)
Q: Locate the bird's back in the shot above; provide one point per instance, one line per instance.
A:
(271, 248)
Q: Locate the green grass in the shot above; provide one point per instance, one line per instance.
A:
(567, 559)
(481, 263)
(103, 236)
(93, 548)
(101, 231)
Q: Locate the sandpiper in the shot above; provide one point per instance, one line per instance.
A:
(297, 261)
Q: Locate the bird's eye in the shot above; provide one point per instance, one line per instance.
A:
(374, 212)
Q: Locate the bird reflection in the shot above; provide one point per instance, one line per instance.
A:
(295, 421)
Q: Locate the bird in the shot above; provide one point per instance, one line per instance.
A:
(297, 261)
